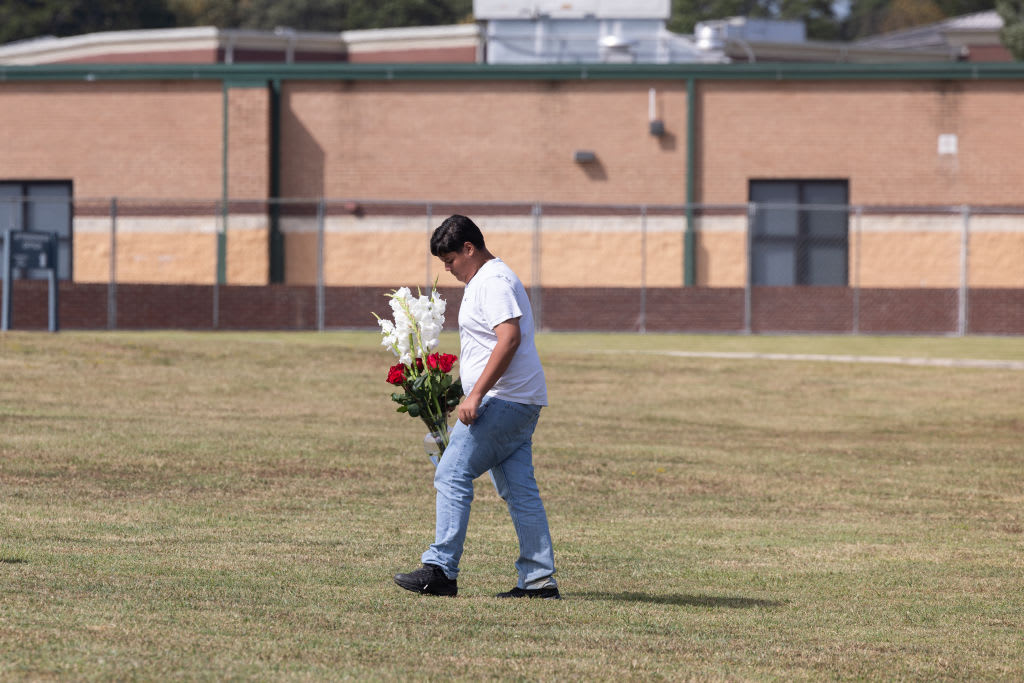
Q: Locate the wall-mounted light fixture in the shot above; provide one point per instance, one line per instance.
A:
(655, 125)
(584, 156)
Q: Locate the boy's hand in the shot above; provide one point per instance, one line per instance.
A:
(468, 409)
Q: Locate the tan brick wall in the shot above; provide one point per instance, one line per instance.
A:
(881, 135)
(154, 140)
(91, 257)
(248, 256)
(584, 251)
(248, 143)
(505, 141)
(575, 251)
(387, 253)
(166, 258)
(890, 251)
(171, 250)
(138, 139)
(721, 258)
(996, 259)
(513, 141)
(908, 259)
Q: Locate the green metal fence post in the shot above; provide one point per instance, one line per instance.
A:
(690, 241)
(276, 274)
(222, 233)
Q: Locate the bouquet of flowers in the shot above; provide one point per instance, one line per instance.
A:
(429, 391)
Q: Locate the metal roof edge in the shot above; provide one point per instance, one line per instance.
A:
(566, 72)
(411, 32)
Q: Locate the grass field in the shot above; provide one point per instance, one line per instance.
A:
(232, 506)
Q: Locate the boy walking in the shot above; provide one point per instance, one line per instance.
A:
(505, 390)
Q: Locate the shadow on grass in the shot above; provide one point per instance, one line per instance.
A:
(12, 560)
(690, 600)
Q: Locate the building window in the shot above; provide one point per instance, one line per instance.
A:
(800, 232)
(40, 206)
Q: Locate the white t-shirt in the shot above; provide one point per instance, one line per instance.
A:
(493, 295)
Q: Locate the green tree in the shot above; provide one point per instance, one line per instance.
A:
(687, 13)
(1012, 33)
(871, 17)
(864, 18)
(818, 15)
(30, 18)
(955, 8)
(320, 15)
(222, 13)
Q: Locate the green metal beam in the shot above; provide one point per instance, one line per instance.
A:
(227, 85)
(276, 246)
(260, 73)
(689, 237)
(222, 233)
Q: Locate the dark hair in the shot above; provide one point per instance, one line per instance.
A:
(454, 232)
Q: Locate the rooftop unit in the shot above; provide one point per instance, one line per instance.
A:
(584, 31)
(490, 10)
(716, 34)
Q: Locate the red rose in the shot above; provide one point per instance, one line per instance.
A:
(442, 361)
(447, 362)
(396, 375)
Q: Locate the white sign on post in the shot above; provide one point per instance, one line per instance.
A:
(27, 253)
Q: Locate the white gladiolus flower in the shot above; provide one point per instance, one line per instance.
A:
(431, 334)
(418, 307)
(388, 337)
(399, 301)
(439, 304)
(417, 325)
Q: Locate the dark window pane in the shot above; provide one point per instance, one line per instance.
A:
(49, 209)
(774, 265)
(10, 206)
(826, 265)
(826, 222)
(776, 220)
(825, 192)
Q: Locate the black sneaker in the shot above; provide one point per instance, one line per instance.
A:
(545, 593)
(428, 580)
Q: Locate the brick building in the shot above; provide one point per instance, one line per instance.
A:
(198, 155)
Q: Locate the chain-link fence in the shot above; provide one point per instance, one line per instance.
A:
(766, 266)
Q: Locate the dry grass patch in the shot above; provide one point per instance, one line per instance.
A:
(233, 506)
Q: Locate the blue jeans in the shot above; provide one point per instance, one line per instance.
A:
(500, 441)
